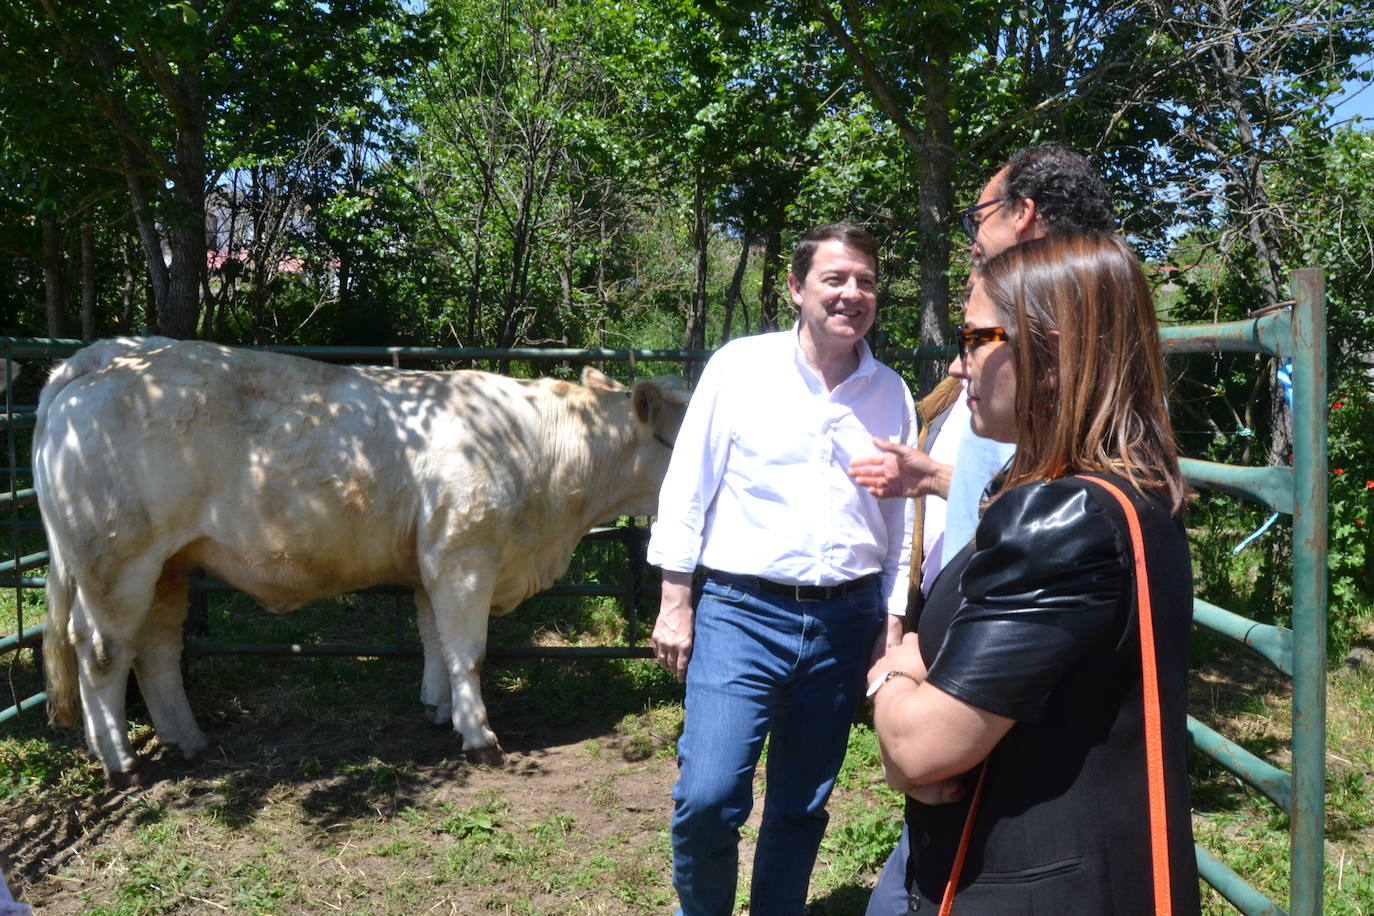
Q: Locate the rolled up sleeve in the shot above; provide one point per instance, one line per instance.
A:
(694, 475)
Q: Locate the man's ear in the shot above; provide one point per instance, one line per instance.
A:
(794, 286)
(1026, 220)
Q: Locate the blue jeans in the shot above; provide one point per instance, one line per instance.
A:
(764, 665)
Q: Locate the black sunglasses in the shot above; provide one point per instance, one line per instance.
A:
(970, 225)
(964, 337)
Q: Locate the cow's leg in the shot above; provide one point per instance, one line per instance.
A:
(103, 664)
(461, 603)
(436, 694)
(158, 664)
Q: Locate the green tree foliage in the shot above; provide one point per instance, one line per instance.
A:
(174, 95)
(1321, 203)
(1338, 238)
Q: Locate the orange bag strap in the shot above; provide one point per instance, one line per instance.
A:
(1154, 733)
(1154, 737)
(947, 903)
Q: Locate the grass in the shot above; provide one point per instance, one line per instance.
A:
(1250, 834)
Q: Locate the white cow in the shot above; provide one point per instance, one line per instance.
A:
(294, 480)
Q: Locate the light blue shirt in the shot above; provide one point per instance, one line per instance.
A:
(974, 466)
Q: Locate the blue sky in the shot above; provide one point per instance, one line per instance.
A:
(1358, 99)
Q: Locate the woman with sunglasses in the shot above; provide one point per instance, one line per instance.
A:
(1024, 695)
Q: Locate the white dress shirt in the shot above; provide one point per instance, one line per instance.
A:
(758, 483)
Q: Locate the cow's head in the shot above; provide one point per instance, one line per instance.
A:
(657, 405)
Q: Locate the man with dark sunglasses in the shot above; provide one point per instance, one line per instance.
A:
(1039, 191)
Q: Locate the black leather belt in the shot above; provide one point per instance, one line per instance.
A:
(797, 592)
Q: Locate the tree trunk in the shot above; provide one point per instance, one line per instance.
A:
(768, 292)
(566, 280)
(474, 293)
(603, 299)
(148, 236)
(53, 287)
(179, 312)
(130, 291)
(520, 251)
(1259, 228)
(695, 336)
(88, 316)
(932, 170)
(736, 281)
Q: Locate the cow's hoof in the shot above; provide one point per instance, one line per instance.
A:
(198, 755)
(130, 779)
(489, 756)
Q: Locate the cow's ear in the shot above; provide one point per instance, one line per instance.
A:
(648, 401)
(654, 398)
(595, 378)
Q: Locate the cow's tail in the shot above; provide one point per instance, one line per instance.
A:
(59, 656)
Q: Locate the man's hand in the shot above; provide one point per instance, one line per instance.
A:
(900, 471)
(673, 630)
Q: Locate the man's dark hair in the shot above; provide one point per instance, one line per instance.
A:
(1066, 190)
(850, 234)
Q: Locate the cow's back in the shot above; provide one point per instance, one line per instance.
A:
(290, 478)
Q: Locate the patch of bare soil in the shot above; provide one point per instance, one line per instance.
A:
(325, 790)
(602, 784)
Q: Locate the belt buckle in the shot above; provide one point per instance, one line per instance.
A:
(799, 596)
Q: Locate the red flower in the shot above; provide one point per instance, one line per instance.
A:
(1338, 471)
(1369, 484)
(1338, 405)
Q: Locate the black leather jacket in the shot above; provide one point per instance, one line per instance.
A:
(1036, 621)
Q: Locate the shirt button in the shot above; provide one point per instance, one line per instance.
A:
(925, 841)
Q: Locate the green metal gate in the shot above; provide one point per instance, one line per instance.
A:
(1298, 333)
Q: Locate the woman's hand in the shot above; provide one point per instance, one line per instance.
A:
(904, 656)
(927, 737)
(945, 792)
(900, 471)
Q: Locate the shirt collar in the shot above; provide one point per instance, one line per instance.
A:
(867, 363)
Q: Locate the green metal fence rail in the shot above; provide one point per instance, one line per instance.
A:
(1299, 334)
(27, 635)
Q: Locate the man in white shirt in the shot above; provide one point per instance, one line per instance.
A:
(1039, 191)
(805, 575)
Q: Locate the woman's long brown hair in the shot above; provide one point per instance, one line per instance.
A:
(1090, 398)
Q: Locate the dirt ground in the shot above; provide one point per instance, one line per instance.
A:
(334, 802)
(352, 803)
(549, 771)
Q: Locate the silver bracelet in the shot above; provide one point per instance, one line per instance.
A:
(876, 685)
